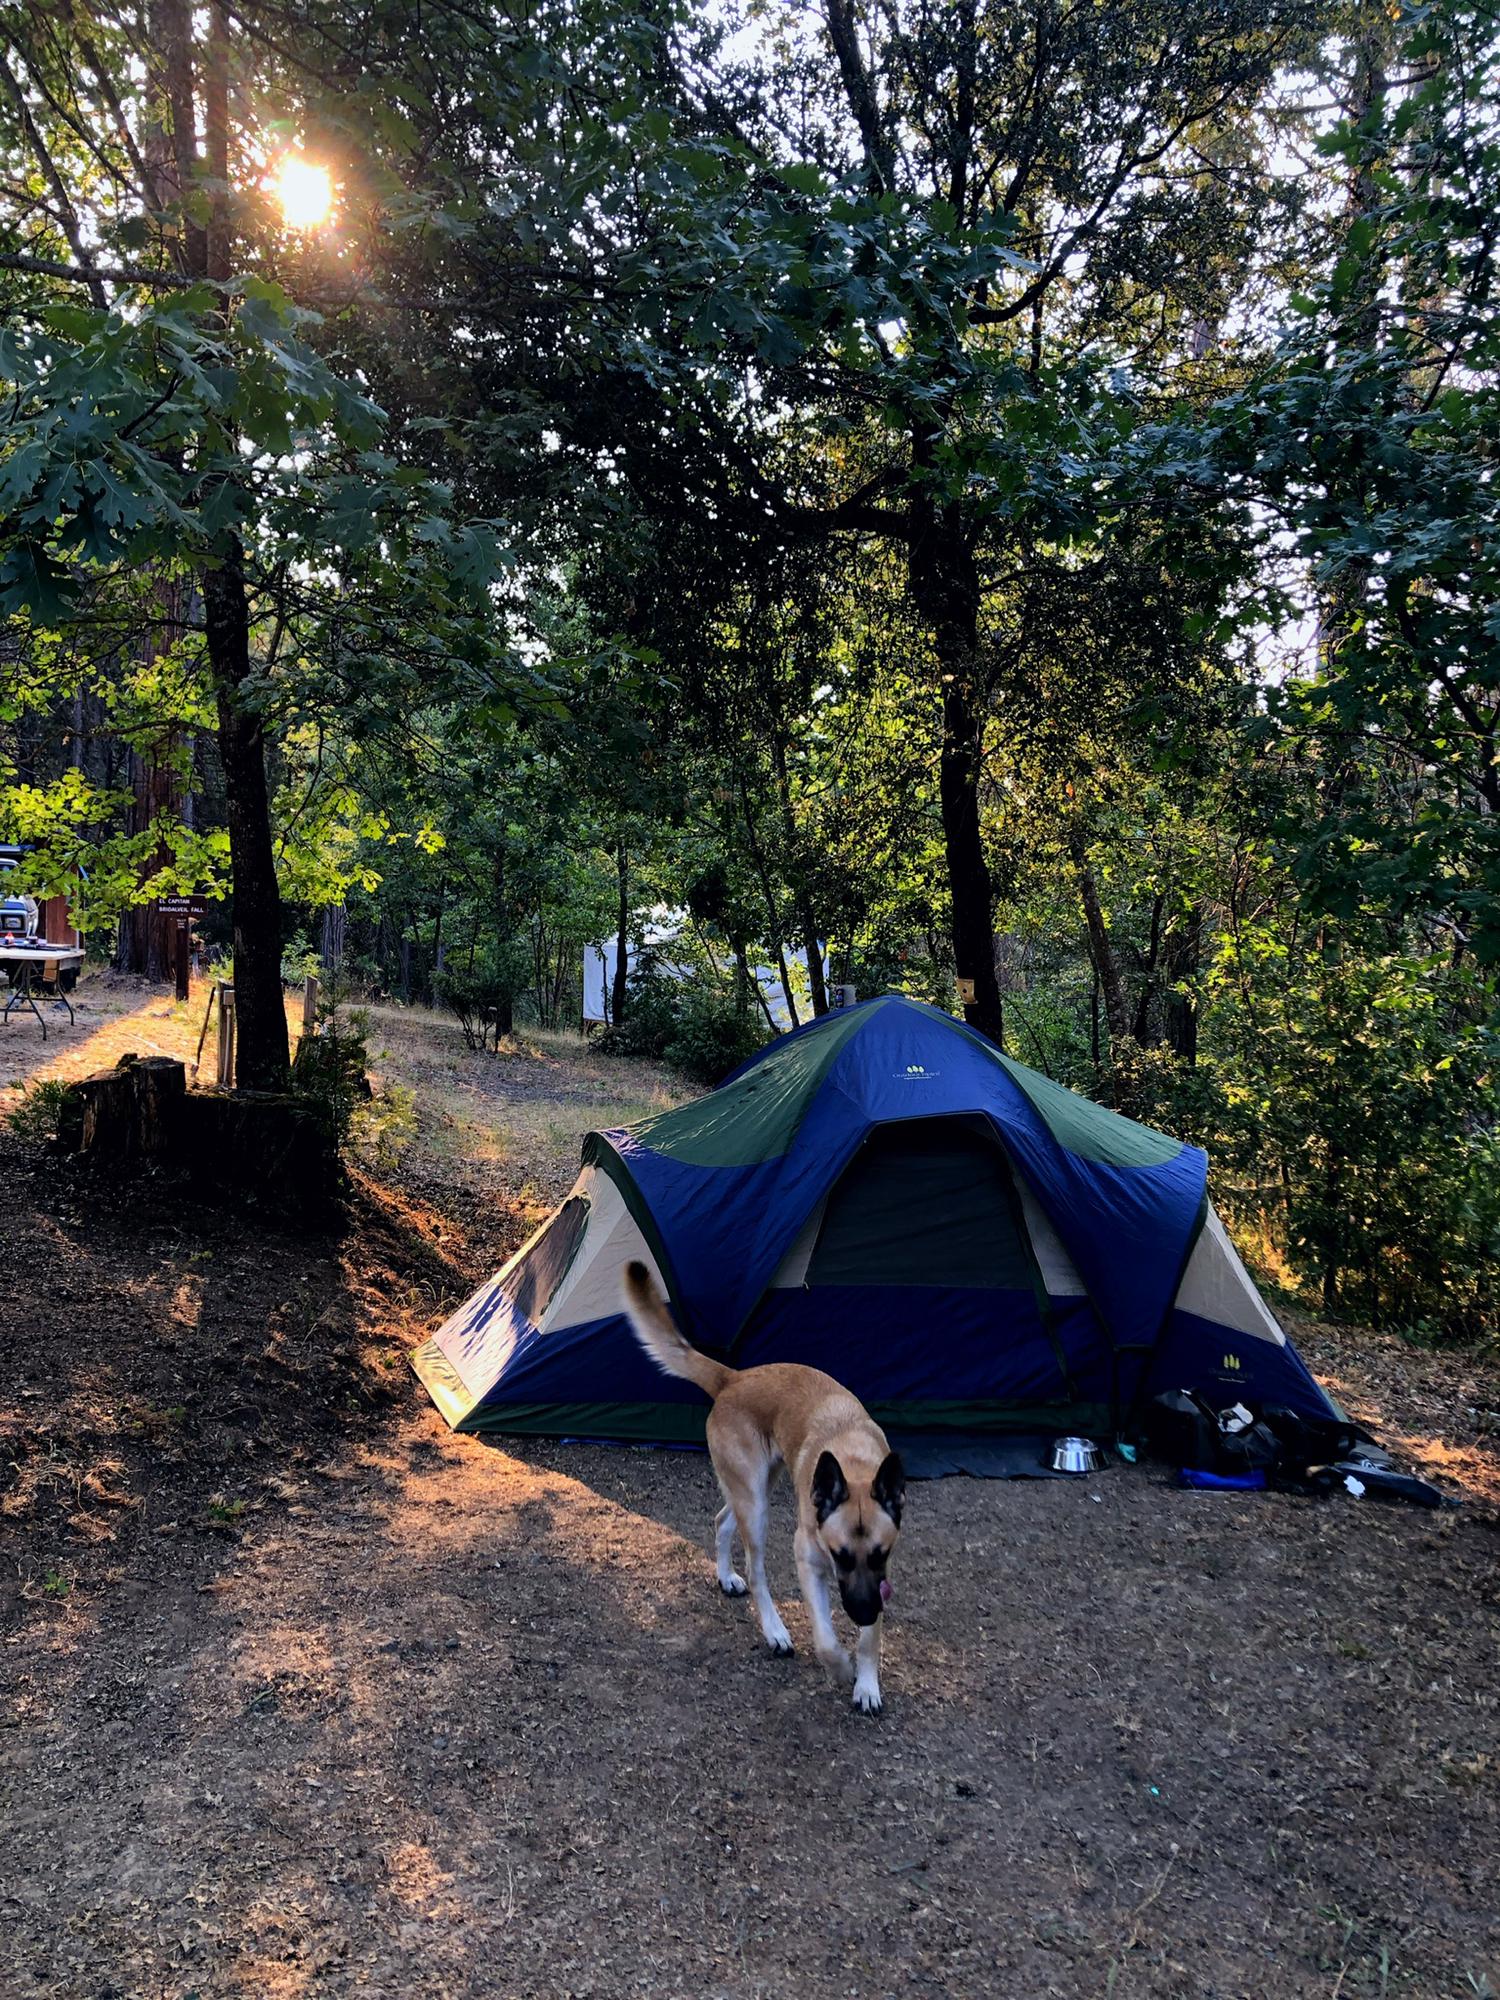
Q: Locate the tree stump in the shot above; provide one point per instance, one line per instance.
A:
(268, 1147)
(127, 1113)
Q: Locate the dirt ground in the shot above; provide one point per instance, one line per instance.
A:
(302, 1697)
(112, 1014)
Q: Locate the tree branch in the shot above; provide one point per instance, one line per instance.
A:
(859, 89)
(66, 214)
(116, 111)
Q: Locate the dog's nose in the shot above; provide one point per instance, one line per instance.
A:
(862, 1603)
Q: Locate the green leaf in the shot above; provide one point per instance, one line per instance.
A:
(33, 581)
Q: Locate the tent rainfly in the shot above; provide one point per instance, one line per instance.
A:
(885, 1195)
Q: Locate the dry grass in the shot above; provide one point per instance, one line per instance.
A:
(520, 1113)
(114, 1016)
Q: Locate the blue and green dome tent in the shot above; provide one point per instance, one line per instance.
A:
(885, 1195)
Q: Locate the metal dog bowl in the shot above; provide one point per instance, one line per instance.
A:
(1075, 1455)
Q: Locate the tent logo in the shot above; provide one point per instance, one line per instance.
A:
(1232, 1361)
(916, 1073)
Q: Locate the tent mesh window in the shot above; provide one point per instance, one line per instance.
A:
(924, 1202)
(535, 1277)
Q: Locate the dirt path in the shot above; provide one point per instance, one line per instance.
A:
(302, 1697)
(113, 1014)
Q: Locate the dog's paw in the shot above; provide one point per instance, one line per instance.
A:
(733, 1586)
(839, 1666)
(867, 1699)
(777, 1638)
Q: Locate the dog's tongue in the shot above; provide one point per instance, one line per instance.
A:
(885, 1590)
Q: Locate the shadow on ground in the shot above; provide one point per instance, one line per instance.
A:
(303, 1697)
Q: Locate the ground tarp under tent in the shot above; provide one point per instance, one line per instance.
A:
(963, 1242)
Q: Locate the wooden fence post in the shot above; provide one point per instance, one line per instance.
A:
(310, 1006)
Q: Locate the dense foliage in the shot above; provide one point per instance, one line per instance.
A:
(997, 503)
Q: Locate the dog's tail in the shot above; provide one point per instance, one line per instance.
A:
(655, 1329)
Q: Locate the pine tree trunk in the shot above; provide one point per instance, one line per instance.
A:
(1330, 1284)
(1183, 952)
(505, 999)
(945, 587)
(331, 950)
(620, 998)
(1101, 946)
(812, 945)
(768, 890)
(263, 1052)
(145, 945)
(145, 940)
(1343, 612)
(1145, 1024)
(969, 886)
(263, 1057)
(437, 942)
(817, 985)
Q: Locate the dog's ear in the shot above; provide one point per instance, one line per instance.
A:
(830, 1489)
(889, 1488)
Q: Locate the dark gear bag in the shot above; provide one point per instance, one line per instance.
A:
(1314, 1440)
(1182, 1427)
(1253, 1447)
(1183, 1430)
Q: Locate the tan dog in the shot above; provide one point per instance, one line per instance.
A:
(848, 1482)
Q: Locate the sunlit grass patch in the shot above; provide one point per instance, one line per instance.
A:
(605, 1115)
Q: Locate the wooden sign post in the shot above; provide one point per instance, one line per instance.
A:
(226, 1037)
(182, 910)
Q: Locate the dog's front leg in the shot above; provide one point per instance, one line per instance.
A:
(750, 1512)
(812, 1574)
(867, 1679)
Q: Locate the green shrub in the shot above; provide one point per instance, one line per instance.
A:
(384, 1127)
(328, 1072)
(691, 1027)
(1154, 1087)
(39, 1114)
(712, 1037)
(1352, 1124)
(653, 1010)
(481, 999)
(299, 961)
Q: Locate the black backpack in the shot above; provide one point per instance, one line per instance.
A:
(1186, 1430)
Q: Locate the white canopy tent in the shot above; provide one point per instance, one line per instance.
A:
(658, 936)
